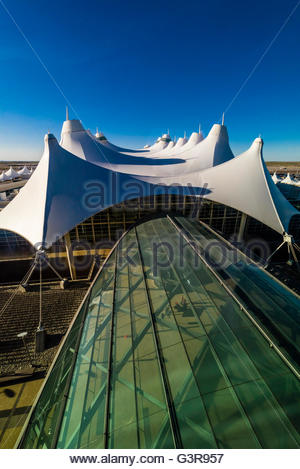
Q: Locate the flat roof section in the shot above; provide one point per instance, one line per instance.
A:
(161, 355)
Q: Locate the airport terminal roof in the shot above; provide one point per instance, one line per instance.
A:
(11, 173)
(24, 172)
(166, 352)
(204, 167)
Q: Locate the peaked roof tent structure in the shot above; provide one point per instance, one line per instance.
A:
(24, 172)
(155, 364)
(60, 206)
(3, 177)
(100, 136)
(252, 189)
(288, 180)
(195, 138)
(166, 138)
(11, 174)
(208, 152)
(207, 167)
(180, 142)
(275, 178)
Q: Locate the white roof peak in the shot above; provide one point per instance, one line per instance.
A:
(255, 147)
(72, 125)
(243, 182)
(48, 137)
(218, 131)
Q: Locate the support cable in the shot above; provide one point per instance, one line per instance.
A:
(52, 268)
(271, 255)
(24, 280)
(40, 321)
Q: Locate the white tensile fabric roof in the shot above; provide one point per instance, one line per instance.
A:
(275, 178)
(68, 172)
(11, 174)
(208, 152)
(24, 172)
(289, 180)
(3, 177)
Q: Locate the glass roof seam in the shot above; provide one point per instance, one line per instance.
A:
(192, 370)
(264, 333)
(232, 387)
(277, 410)
(218, 361)
(56, 358)
(168, 396)
(251, 281)
(80, 432)
(274, 332)
(109, 372)
(205, 357)
(183, 343)
(133, 357)
(69, 378)
(112, 255)
(252, 261)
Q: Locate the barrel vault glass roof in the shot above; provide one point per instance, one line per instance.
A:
(161, 355)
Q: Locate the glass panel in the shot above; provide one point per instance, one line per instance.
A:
(83, 422)
(44, 419)
(231, 426)
(262, 294)
(267, 417)
(180, 377)
(136, 378)
(167, 357)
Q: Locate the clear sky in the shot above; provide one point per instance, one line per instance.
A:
(137, 68)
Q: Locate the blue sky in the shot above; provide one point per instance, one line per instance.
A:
(135, 69)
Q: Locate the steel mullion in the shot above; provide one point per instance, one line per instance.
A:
(133, 359)
(108, 392)
(88, 380)
(70, 376)
(166, 386)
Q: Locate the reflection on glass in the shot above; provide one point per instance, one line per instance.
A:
(166, 358)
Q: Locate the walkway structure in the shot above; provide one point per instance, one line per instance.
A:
(174, 348)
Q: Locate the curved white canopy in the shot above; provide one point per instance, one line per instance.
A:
(275, 178)
(100, 136)
(59, 205)
(211, 151)
(171, 144)
(24, 172)
(251, 189)
(64, 182)
(289, 180)
(3, 177)
(11, 174)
